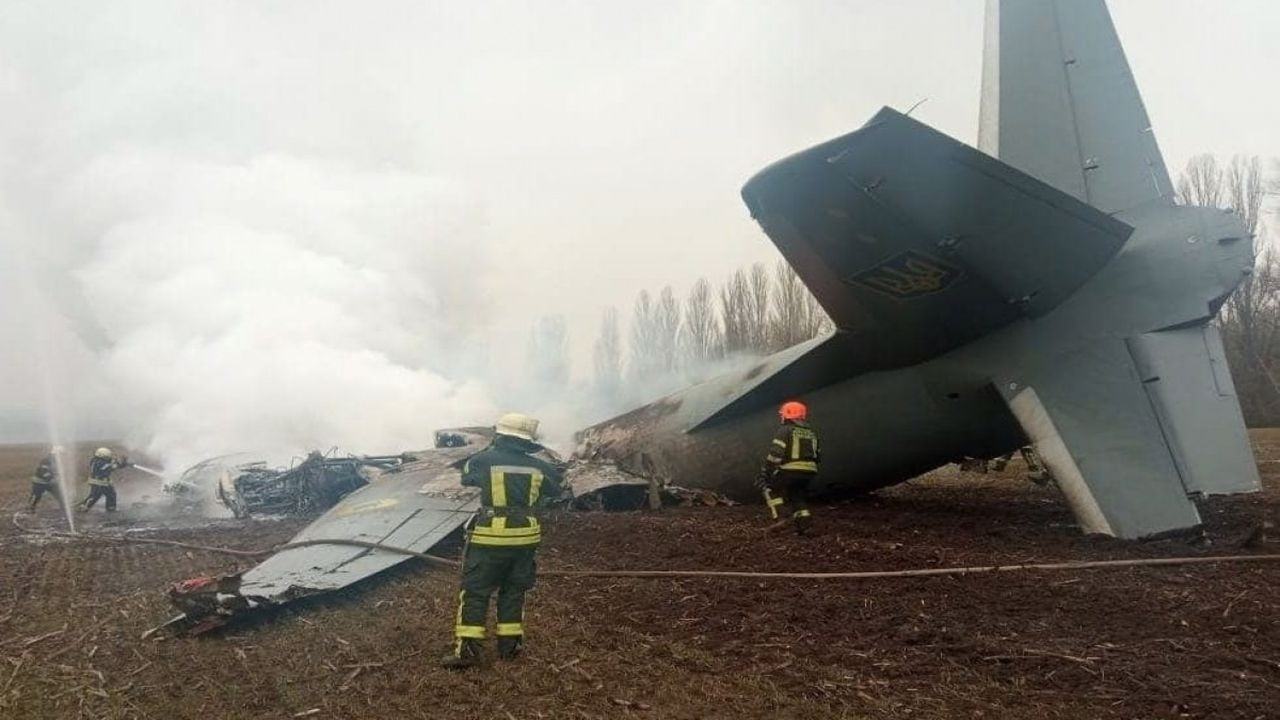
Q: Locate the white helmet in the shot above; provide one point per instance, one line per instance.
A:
(102, 453)
(57, 450)
(517, 425)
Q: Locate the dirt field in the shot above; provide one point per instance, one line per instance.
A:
(1196, 641)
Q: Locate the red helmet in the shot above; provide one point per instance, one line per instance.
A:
(793, 410)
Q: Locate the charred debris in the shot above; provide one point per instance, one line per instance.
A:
(412, 500)
(311, 485)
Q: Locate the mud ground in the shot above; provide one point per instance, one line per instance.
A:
(1176, 642)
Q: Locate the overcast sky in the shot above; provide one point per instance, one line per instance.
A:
(584, 150)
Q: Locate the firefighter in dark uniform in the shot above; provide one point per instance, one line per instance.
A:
(45, 480)
(103, 463)
(503, 539)
(789, 469)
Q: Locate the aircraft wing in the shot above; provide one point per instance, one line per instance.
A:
(1059, 102)
(414, 506)
(915, 243)
(395, 511)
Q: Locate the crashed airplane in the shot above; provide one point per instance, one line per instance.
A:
(1044, 288)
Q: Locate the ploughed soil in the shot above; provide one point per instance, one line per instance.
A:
(1198, 641)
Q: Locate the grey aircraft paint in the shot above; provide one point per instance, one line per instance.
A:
(1056, 295)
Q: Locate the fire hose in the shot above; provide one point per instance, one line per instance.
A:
(855, 575)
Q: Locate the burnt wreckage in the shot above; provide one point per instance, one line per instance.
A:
(308, 487)
(410, 501)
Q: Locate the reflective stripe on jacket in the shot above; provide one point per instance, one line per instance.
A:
(795, 447)
(512, 483)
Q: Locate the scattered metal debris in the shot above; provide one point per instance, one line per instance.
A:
(600, 485)
(311, 486)
(411, 501)
(315, 484)
(413, 505)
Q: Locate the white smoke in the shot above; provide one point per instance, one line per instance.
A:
(278, 302)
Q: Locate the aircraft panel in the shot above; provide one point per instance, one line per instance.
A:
(1089, 417)
(1185, 373)
(1059, 102)
(395, 510)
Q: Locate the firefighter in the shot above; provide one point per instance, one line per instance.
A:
(45, 479)
(503, 538)
(103, 463)
(789, 469)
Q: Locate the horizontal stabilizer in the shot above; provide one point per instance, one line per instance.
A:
(1090, 420)
(915, 243)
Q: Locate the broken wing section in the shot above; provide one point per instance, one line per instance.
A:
(1089, 418)
(395, 511)
(1059, 102)
(1185, 373)
(414, 506)
(915, 243)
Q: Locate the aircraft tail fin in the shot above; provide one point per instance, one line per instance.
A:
(1060, 103)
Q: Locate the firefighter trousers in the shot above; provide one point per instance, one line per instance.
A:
(100, 491)
(511, 572)
(38, 489)
(787, 495)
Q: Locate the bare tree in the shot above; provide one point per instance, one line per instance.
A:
(1201, 183)
(644, 360)
(735, 299)
(758, 308)
(549, 352)
(666, 327)
(700, 341)
(1245, 190)
(795, 315)
(606, 356)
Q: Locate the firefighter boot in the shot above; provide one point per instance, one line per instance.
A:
(803, 521)
(466, 655)
(509, 648)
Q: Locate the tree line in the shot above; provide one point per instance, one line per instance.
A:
(754, 312)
